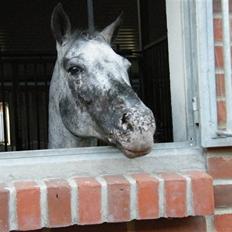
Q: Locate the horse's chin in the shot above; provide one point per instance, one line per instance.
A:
(129, 153)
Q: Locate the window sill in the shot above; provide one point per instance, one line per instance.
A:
(97, 161)
(56, 188)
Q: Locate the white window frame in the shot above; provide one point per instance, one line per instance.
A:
(179, 18)
(185, 152)
(206, 77)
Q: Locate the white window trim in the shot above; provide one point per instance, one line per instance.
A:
(176, 67)
(206, 77)
(182, 70)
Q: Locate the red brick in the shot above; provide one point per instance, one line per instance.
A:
(4, 210)
(28, 205)
(147, 196)
(231, 19)
(118, 198)
(221, 113)
(202, 193)
(89, 200)
(175, 195)
(189, 224)
(220, 85)
(230, 6)
(220, 167)
(59, 203)
(216, 6)
(219, 63)
(223, 195)
(217, 29)
(223, 223)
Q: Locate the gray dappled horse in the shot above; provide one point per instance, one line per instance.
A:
(90, 93)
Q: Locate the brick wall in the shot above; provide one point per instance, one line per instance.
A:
(220, 168)
(186, 199)
(219, 64)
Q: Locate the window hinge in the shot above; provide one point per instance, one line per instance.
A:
(195, 110)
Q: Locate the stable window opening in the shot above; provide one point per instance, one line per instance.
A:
(28, 56)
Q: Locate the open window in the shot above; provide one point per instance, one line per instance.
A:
(157, 36)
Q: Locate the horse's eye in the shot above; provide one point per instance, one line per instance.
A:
(75, 70)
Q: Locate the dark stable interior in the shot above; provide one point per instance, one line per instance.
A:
(27, 56)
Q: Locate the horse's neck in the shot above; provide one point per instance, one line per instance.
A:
(59, 136)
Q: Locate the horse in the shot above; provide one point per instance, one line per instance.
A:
(90, 95)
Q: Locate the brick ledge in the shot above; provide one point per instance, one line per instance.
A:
(30, 205)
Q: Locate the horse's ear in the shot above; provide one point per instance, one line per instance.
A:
(60, 24)
(110, 31)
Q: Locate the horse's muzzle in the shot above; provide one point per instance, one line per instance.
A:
(135, 138)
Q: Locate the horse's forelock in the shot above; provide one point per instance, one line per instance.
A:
(85, 35)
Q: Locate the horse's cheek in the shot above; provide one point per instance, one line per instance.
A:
(74, 84)
(68, 113)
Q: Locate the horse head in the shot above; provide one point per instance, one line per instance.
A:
(95, 98)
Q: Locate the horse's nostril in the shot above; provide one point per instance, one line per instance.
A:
(130, 127)
(125, 121)
(124, 118)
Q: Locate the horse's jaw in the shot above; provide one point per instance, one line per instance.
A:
(135, 153)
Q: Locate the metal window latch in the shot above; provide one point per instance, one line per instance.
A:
(195, 110)
(224, 133)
